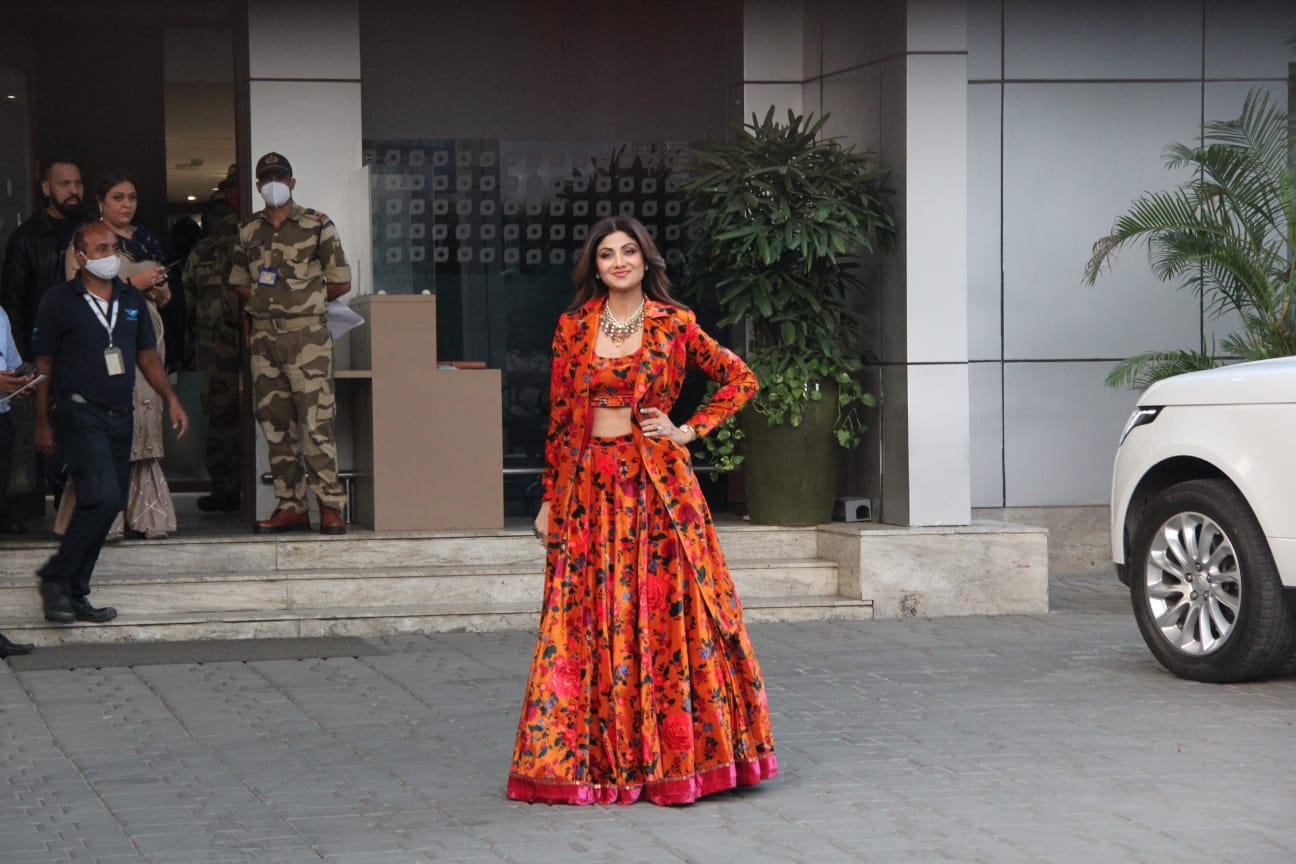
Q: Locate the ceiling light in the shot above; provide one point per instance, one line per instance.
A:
(191, 197)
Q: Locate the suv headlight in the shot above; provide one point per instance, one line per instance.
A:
(1140, 417)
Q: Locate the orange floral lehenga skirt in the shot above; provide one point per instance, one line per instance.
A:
(637, 686)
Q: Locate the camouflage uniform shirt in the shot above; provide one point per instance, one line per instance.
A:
(307, 253)
(210, 302)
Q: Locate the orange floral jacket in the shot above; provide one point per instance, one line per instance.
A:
(672, 342)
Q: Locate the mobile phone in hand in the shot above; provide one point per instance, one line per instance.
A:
(23, 389)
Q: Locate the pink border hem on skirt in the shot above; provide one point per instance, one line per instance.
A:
(671, 790)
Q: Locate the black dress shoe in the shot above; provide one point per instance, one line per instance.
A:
(56, 604)
(83, 611)
(13, 649)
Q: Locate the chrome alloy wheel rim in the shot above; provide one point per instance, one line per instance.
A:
(1194, 585)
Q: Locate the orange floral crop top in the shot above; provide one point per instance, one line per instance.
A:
(612, 383)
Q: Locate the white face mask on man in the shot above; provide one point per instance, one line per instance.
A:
(275, 193)
(104, 268)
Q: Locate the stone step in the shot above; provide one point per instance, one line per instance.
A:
(177, 555)
(770, 610)
(363, 550)
(367, 583)
(483, 585)
(370, 621)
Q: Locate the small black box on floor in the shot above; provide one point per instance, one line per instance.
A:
(853, 510)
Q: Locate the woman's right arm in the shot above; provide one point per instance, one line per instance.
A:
(559, 417)
(559, 408)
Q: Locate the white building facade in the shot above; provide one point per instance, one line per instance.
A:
(1016, 132)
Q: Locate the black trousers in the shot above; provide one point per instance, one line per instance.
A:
(96, 445)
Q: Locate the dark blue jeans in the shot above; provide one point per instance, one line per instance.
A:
(96, 446)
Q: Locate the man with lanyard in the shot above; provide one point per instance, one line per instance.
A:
(287, 264)
(90, 334)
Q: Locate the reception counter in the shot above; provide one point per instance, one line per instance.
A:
(427, 443)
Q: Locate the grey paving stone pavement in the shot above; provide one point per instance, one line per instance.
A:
(990, 740)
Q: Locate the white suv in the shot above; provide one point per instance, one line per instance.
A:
(1204, 519)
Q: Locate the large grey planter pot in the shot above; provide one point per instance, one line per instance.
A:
(791, 471)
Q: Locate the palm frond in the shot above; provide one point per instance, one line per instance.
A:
(1227, 234)
(1143, 370)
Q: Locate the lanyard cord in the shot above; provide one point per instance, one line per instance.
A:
(109, 318)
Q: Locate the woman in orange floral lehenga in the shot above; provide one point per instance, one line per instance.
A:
(644, 681)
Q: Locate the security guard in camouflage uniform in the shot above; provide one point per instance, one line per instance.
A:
(288, 263)
(214, 314)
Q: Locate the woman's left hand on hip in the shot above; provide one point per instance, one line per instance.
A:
(656, 424)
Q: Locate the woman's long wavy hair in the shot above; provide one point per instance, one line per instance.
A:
(656, 284)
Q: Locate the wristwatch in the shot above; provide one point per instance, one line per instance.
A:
(692, 432)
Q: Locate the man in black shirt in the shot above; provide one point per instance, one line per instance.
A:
(89, 335)
(33, 261)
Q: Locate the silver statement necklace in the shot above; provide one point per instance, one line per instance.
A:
(620, 331)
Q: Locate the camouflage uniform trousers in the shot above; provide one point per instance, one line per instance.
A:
(292, 391)
(218, 366)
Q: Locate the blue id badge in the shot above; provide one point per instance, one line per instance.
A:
(268, 277)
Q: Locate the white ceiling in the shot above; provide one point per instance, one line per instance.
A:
(199, 104)
(199, 137)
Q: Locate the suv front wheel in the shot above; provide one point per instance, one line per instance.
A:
(1206, 593)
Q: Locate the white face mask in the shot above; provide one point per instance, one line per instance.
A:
(104, 268)
(275, 193)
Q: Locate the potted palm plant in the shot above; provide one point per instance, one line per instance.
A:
(1227, 234)
(777, 219)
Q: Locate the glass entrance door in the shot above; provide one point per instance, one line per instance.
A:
(198, 96)
(17, 182)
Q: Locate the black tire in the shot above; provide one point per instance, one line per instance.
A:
(1258, 636)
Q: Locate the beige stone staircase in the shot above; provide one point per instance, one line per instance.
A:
(367, 583)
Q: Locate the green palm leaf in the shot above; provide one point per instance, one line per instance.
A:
(1228, 235)
(1143, 370)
